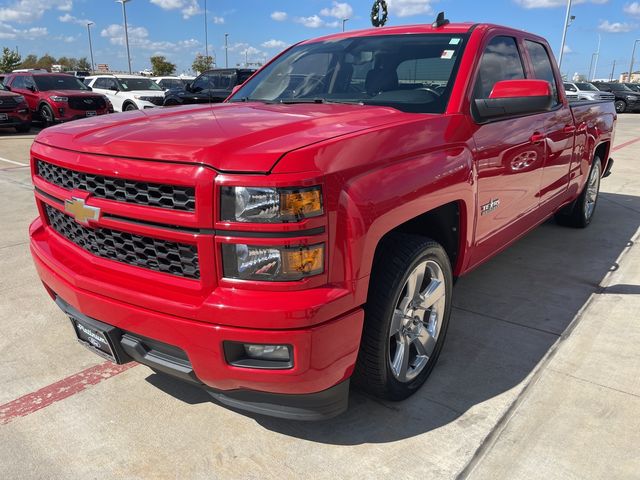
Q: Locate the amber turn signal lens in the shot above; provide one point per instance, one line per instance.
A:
(302, 204)
(305, 260)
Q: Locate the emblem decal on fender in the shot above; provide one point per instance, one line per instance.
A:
(489, 207)
(81, 212)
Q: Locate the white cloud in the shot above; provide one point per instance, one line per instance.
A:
(188, 8)
(279, 16)
(278, 44)
(68, 18)
(529, 4)
(139, 38)
(409, 8)
(615, 27)
(314, 21)
(27, 11)
(10, 33)
(338, 10)
(218, 20)
(567, 49)
(633, 9)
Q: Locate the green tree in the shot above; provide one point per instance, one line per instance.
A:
(31, 61)
(68, 63)
(83, 64)
(45, 62)
(202, 63)
(161, 67)
(10, 60)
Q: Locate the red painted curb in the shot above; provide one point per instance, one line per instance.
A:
(625, 144)
(60, 390)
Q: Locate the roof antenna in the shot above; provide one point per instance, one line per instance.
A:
(440, 21)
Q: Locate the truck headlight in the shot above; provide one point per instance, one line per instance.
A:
(56, 98)
(272, 263)
(632, 97)
(270, 205)
(19, 98)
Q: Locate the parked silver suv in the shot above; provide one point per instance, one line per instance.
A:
(586, 91)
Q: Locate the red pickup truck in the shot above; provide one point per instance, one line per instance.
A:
(308, 231)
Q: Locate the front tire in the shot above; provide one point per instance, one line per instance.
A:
(620, 105)
(46, 114)
(580, 213)
(129, 107)
(406, 316)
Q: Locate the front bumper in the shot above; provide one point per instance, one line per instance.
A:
(15, 119)
(324, 355)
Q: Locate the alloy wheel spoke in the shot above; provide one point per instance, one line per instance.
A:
(425, 344)
(400, 364)
(414, 282)
(396, 322)
(433, 293)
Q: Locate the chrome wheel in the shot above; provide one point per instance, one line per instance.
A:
(593, 187)
(417, 321)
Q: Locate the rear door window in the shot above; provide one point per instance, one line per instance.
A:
(500, 61)
(542, 68)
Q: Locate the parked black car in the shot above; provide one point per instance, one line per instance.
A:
(627, 100)
(633, 86)
(213, 86)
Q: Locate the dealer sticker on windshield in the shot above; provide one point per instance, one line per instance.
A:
(454, 41)
(447, 54)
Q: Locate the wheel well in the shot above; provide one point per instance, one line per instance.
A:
(602, 151)
(441, 224)
(128, 102)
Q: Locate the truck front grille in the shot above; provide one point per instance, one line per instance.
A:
(173, 197)
(179, 259)
(87, 103)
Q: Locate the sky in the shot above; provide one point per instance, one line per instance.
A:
(258, 29)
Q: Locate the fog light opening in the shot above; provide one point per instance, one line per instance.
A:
(254, 355)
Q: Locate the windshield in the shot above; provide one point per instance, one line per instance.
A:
(413, 73)
(168, 83)
(586, 87)
(133, 84)
(58, 82)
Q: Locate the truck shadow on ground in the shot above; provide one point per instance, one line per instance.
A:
(507, 315)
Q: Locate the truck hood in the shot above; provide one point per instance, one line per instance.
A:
(231, 137)
(71, 93)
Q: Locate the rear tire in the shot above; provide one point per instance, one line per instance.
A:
(580, 213)
(406, 316)
(620, 105)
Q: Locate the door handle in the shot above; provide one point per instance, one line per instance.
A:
(537, 138)
(569, 129)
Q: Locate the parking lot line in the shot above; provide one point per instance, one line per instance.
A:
(15, 163)
(60, 390)
(625, 144)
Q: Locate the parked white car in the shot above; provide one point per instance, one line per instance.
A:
(167, 83)
(127, 92)
(586, 91)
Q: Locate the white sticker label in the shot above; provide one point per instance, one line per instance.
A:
(454, 41)
(447, 54)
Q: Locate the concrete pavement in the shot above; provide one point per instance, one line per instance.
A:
(508, 316)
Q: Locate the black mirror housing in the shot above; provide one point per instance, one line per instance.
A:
(490, 108)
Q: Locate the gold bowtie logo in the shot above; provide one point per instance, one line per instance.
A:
(81, 212)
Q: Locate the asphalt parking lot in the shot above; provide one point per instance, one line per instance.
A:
(542, 345)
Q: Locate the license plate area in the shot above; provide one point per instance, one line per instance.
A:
(4, 116)
(91, 114)
(95, 338)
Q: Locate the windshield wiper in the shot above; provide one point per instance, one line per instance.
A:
(317, 100)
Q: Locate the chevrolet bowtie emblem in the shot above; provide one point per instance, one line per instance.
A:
(81, 212)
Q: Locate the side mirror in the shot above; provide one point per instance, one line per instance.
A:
(7, 87)
(31, 88)
(113, 89)
(187, 86)
(515, 97)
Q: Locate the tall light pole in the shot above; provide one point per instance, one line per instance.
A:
(344, 20)
(93, 68)
(633, 54)
(589, 77)
(595, 64)
(206, 35)
(226, 50)
(126, 29)
(612, 70)
(567, 21)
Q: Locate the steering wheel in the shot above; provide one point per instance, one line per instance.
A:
(430, 90)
